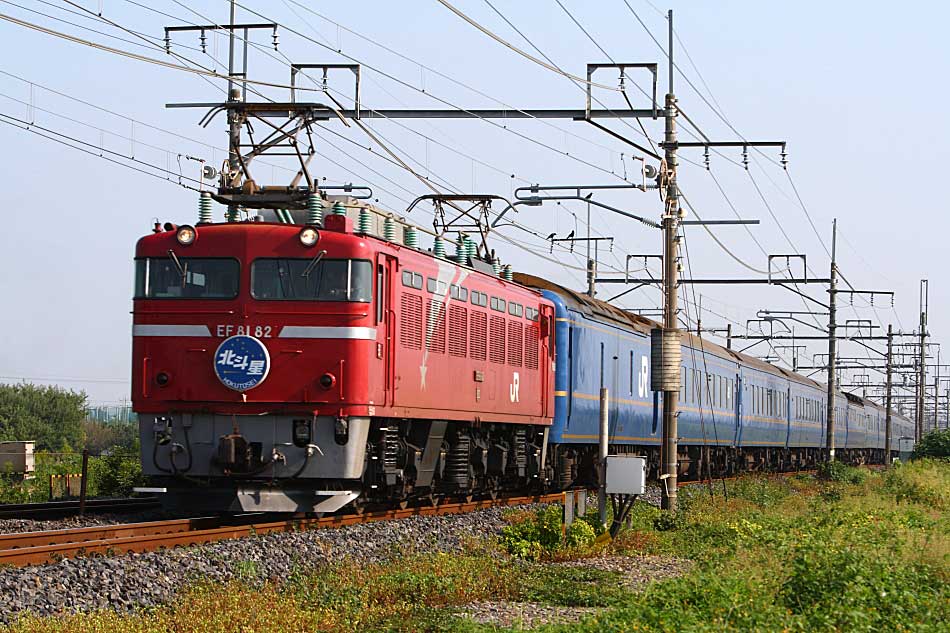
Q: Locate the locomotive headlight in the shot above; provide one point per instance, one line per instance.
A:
(327, 381)
(186, 235)
(309, 236)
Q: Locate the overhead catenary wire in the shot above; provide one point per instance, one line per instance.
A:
(141, 58)
(383, 145)
(719, 112)
(517, 50)
(94, 151)
(443, 101)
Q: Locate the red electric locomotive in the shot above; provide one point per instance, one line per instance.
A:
(280, 366)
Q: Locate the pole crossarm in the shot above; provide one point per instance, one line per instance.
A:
(757, 337)
(444, 113)
(710, 281)
(535, 200)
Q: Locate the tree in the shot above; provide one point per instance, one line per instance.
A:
(102, 436)
(48, 415)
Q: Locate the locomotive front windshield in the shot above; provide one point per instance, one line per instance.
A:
(286, 279)
(187, 278)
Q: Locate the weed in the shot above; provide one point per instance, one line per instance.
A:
(841, 473)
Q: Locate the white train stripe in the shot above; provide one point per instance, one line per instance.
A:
(313, 331)
(171, 330)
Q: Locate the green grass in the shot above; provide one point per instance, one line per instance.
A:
(839, 553)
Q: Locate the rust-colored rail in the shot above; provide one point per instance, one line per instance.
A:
(33, 548)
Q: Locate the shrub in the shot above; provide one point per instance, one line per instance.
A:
(841, 473)
(933, 444)
(761, 491)
(580, 534)
(541, 534)
(531, 534)
(116, 473)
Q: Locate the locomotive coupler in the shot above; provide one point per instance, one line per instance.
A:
(235, 454)
(341, 430)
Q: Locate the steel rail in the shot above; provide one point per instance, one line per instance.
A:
(58, 508)
(33, 548)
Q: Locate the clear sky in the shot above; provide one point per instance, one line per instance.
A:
(856, 88)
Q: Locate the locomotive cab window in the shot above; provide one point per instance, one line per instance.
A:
(187, 278)
(285, 279)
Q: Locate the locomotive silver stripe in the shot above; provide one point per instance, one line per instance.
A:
(314, 331)
(170, 330)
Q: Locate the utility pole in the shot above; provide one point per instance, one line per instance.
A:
(728, 335)
(670, 335)
(936, 388)
(234, 122)
(922, 358)
(832, 345)
(887, 396)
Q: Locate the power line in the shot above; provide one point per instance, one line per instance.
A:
(514, 48)
(59, 138)
(137, 57)
(67, 379)
(449, 78)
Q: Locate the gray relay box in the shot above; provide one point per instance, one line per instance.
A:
(626, 475)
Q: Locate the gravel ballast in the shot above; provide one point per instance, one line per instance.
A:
(151, 578)
(130, 581)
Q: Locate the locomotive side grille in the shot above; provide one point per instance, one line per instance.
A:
(391, 449)
(521, 448)
(458, 331)
(531, 335)
(457, 468)
(435, 325)
(515, 343)
(410, 322)
(496, 343)
(478, 331)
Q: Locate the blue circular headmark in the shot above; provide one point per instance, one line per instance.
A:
(241, 362)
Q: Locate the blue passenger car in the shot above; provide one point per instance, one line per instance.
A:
(736, 412)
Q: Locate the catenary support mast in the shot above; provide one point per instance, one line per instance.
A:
(887, 395)
(922, 359)
(671, 219)
(832, 347)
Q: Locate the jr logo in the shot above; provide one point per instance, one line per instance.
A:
(514, 386)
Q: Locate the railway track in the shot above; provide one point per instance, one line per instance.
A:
(52, 509)
(34, 548)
